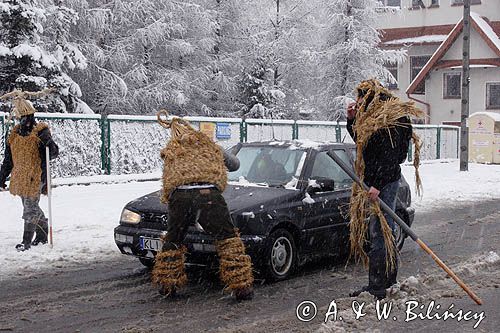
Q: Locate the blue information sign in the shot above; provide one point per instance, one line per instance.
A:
(223, 131)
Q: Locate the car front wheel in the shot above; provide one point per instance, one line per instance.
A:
(281, 255)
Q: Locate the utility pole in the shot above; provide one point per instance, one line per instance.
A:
(464, 131)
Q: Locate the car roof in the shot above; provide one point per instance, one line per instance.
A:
(299, 144)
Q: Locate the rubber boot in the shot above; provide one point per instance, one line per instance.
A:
(29, 231)
(42, 231)
(377, 278)
(235, 267)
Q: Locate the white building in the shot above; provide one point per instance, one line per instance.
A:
(431, 32)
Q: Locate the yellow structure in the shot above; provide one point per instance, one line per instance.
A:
(484, 137)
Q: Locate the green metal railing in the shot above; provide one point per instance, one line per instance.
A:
(297, 129)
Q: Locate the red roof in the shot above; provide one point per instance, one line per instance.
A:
(388, 35)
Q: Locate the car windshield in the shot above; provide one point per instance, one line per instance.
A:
(273, 166)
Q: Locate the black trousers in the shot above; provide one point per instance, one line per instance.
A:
(205, 206)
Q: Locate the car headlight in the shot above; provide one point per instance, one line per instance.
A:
(130, 217)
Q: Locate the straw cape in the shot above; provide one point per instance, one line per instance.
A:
(190, 157)
(379, 115)
(27, 171)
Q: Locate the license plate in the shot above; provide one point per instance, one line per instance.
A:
(147, 243)
(204, 247)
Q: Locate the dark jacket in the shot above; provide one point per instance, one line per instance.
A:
(384, 152)
(45, 141)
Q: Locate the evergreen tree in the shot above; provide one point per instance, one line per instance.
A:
(351, 53)
(218, 97)
(31, 61)
(20, 56)
(277, 34)
(145, 54)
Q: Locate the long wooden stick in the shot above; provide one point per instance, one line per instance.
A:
(49, 194)
(408, 231)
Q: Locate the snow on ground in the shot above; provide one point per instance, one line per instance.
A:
(84, 216)
(412, 291)
(444, 185)
(83, 222)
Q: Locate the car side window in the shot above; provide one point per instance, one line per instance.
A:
(325, 167)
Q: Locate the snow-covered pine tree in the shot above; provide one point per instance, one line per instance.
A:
(27, 59)
(351, 54)
(255, 96)
(20, 57)
(144, 54)
(57, 38)
(225, 62)
(277, 33)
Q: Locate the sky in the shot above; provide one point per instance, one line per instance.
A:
(84, 216)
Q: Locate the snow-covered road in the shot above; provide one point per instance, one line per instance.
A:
(84, 216)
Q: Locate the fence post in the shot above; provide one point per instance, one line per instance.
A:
(105, 138)
(338, 132)
(295, 130)
(243, 130)
(108, 125)
(438, 139)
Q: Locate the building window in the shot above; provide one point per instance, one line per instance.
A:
(434, 3)
(416, 65)
(417, 4)
(461, 2)
(452, 85)
(393, 69)
(493, 95)
(391, 3)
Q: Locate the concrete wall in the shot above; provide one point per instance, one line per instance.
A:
(450, 109)
(444, 14)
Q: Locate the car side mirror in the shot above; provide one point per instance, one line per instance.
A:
(235, 149)
(320, 185)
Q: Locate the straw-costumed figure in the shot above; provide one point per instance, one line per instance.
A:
(190, 157)
(26, 173)
(374, 115)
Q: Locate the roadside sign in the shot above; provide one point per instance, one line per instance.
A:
(223, 131)
(208, 129)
